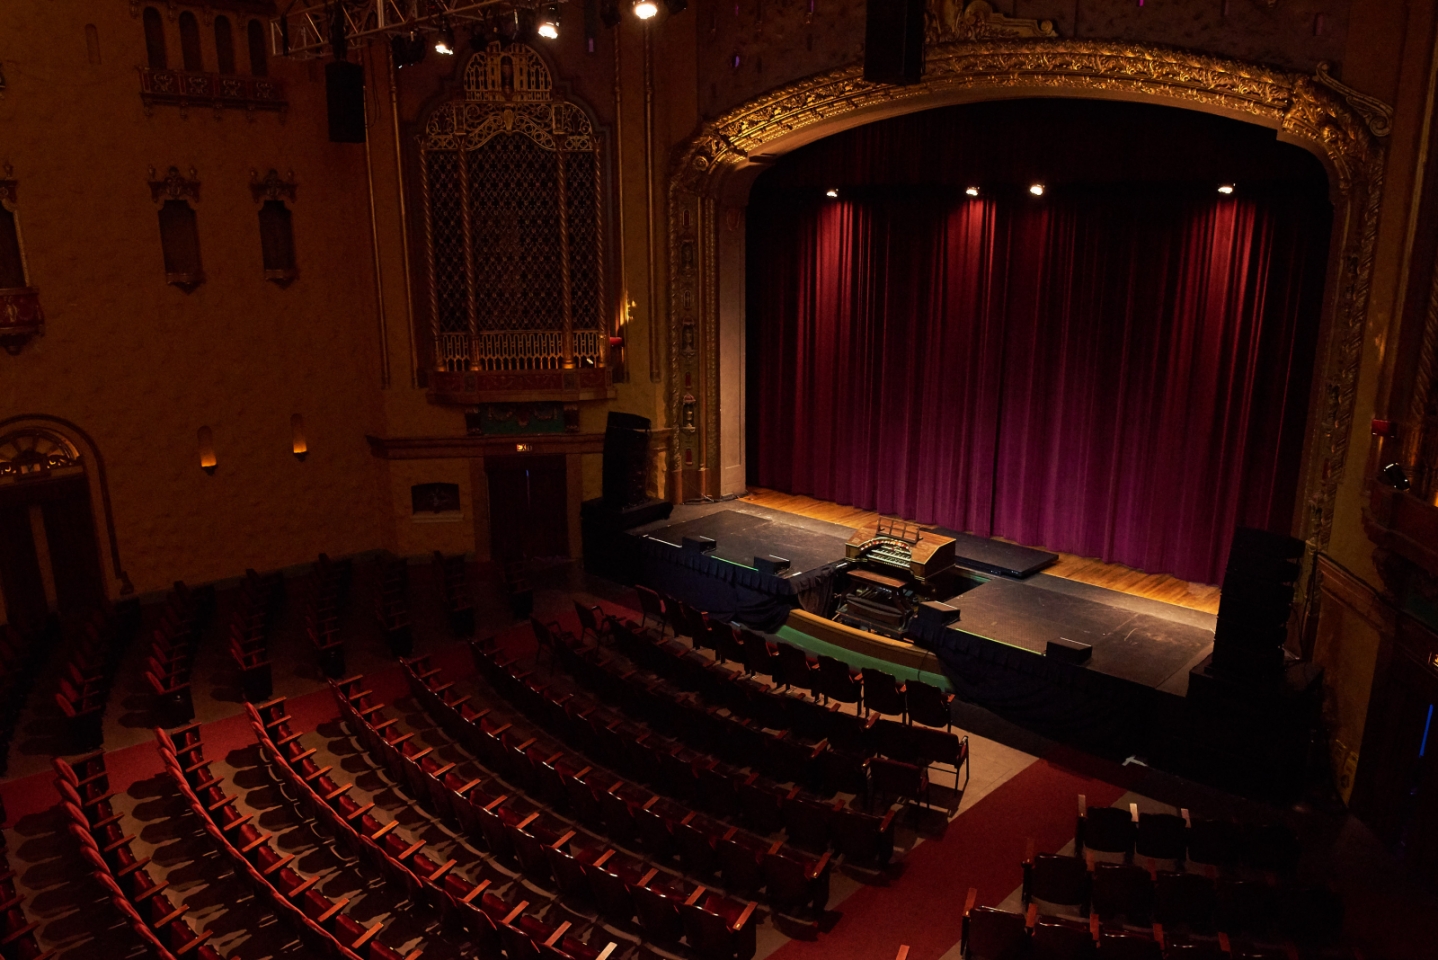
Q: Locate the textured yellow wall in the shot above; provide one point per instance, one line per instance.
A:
(141, 365)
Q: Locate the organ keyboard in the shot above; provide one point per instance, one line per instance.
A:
(898, 544)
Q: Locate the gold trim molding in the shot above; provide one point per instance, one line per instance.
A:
(1341, 126)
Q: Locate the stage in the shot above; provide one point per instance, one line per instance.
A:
(994, 655)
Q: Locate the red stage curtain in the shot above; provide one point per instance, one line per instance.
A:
(1117, 373)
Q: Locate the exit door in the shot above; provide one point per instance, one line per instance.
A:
(528, 508)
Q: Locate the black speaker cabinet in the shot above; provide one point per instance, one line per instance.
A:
(626, 459)
(344, 96)
(894, 41)
(700, 544)
(771, 565)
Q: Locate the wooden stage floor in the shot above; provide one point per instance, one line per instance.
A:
(1113, 576)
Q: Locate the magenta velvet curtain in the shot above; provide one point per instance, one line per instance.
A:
(1120, 373)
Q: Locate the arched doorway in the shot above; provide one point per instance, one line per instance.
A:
(51, 561)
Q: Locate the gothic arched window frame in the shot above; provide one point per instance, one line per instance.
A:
(509, 100)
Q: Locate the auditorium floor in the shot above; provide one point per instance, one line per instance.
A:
(1112, 576)
(1022, 788)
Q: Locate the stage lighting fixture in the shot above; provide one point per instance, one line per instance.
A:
(548, 27)
(408, 49)
(1225, 188)
(644, 9)
(972, 191)
(1037, 189)
(1395, 476)
(444, 41)
(832, 192)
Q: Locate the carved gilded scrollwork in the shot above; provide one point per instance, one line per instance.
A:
(955, 20)
(1341, 126)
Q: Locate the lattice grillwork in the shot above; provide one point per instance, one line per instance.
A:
(447, 245)
(515, 215)
(513, 181)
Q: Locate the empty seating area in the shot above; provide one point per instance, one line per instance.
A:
(668, 787)
(174, 642)
(391, 605)
(509, 818)
(88, 663)
(810, 737)
(1154, 885)
(329, 592)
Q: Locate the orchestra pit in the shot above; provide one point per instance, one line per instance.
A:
(719, 479)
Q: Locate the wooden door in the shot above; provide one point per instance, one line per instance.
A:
(528, 508)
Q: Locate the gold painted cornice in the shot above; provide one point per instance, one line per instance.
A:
(1305, 108)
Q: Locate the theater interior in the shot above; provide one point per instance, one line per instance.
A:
(719, 479)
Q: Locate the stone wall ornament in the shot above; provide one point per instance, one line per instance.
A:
(951, 20)
(174, 185)
(273, 187)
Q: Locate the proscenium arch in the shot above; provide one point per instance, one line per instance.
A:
(714, 170)
(116, 581)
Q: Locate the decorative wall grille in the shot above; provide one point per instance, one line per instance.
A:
(513, 222)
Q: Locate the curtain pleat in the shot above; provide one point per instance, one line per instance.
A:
(1118, 374)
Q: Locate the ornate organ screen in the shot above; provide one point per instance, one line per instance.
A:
(512, 215)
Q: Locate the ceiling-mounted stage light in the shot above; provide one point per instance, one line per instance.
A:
(444, 40)
(548, 25)
(1225, 188)
(1037, 189)
(644, 9)
(832, 193)
(408, 49)
(972, 191)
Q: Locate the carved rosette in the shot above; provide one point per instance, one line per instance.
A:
(1341, 126)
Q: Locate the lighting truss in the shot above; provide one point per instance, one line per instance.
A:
(308, 21)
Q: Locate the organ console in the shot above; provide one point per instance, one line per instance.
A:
(894, 567)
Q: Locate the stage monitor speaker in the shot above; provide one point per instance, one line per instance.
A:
(935, 613)
(344, 96)
(700, 544)
(894, 41)
(770, 565)
(626, 459)
(1068, 651)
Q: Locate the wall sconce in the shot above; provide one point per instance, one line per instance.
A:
(297, 437)
(208, 463)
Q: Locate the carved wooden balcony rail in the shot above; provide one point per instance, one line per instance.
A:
(20, 317)
(184, 89)
(520, 350)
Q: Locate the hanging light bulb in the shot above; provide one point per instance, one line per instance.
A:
(548, 26)
(644, 9)
(444, 41)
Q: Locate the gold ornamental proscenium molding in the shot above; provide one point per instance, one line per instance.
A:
(1338, 124)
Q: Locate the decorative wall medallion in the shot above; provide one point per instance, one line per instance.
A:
(174, 186)
(272, 187)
